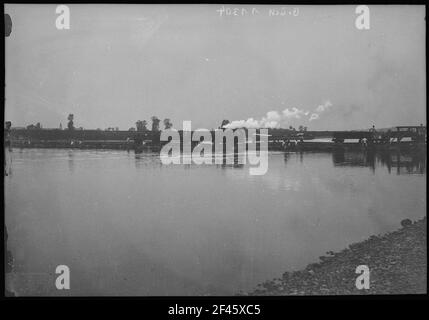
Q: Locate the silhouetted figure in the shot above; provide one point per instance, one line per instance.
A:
(70, 125)
(167, 124)
(7, 25)
(7, 145)
(155, 123)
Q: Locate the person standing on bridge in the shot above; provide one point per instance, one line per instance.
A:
(374, 133)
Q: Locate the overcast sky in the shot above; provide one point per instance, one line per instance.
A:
(121, 63)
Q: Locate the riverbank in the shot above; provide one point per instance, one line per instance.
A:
(397, 262)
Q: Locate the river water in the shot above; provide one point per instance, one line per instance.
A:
(125, 224)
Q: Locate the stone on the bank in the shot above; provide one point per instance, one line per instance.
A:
(406, 222)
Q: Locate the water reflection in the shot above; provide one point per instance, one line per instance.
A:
(145, 159)
(396, 162)
(133, 226)
(286, 157)
(70, 160)
(236, 160)
(232, 161)
(405, 163)
(354, 159)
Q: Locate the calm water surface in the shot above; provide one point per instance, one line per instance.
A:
(128, 225)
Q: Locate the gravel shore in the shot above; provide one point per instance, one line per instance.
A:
(397, 262)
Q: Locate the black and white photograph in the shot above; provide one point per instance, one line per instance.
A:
(214, 150)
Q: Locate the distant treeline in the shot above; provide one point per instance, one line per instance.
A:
(57, 134)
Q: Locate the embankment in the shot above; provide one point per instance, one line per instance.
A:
(397, 263)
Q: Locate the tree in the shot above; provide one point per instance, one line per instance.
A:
(37, 126)
(167, 123)
(155, 123)
(224, 123)
(144, 124)
(141, 125)
(70, 123)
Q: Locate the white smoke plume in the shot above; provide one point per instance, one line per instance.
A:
(324, 106)
(275, 119)
(320, 109)
(314, 116)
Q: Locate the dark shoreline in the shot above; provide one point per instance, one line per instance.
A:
(279, 139)
(397, 262)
